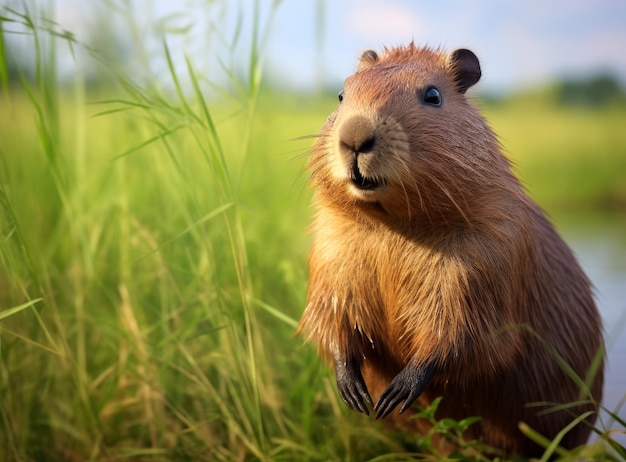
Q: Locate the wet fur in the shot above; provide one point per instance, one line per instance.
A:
(449, 263)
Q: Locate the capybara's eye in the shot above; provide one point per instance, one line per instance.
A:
(432, 96)
(340, 96)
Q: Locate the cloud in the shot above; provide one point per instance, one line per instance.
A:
(383, 21)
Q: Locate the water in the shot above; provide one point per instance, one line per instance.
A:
(600, 245)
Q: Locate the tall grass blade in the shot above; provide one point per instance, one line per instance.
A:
(149, 141)
(554, 444)
(4, 62)
(16, 309)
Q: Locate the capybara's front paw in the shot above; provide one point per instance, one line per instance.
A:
(351, 385)
(406, 386)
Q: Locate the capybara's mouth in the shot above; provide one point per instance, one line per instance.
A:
(361, 181)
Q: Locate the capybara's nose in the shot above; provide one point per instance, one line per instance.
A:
(356, 136)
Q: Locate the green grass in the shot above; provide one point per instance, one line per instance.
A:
(153, 268)
(570, 159)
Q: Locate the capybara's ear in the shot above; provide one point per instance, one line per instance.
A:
(368, 58)
(465, 67)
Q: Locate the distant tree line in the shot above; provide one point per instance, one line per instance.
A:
(594, 91)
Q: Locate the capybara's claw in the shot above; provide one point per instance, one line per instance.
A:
(351, 386)
(406, 386)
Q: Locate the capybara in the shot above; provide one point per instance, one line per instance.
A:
(432, 273)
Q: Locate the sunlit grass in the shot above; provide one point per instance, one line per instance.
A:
(571, 159)
(153, 268)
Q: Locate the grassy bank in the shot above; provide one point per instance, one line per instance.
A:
(153, 269)
(572, 159)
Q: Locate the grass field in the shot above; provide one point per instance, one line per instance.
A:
(153, 269)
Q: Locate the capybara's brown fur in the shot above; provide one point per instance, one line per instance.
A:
(432, 273)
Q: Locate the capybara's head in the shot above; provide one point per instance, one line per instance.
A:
(404, 141)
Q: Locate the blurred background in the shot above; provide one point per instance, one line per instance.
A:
(154, 206)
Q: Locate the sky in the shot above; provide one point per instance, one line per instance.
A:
(520, 43)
